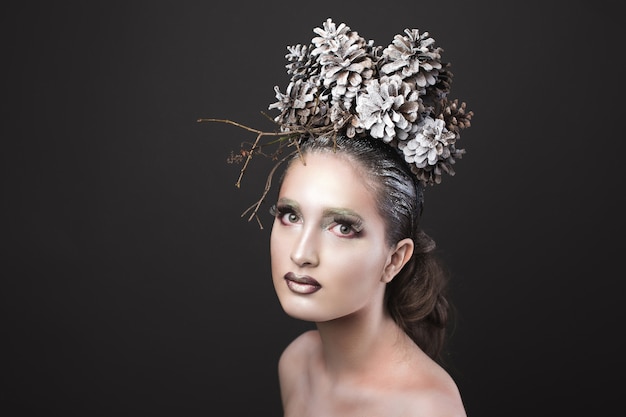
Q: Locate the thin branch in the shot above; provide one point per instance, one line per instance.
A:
(230, 122)
(250, 153)
(248, 158)
(286, 138)
(268, 185)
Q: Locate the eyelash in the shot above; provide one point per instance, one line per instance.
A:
(354, 226)
(281, 211)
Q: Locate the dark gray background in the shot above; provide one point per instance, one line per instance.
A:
(131, 286)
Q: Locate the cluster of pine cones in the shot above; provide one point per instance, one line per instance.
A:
(343, 84)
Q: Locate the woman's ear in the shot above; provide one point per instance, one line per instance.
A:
(398, 257)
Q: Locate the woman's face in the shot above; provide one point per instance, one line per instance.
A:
(328, 247)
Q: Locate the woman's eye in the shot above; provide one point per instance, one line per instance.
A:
(290, 218)
(287, 217)
(343, 230)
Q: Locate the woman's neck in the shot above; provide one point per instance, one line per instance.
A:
(355, 344)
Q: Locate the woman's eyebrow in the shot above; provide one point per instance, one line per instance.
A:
(327, 212)
(338, 211)
(287, 202)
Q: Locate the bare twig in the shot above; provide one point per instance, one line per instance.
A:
(268, 185)
(250, 152)
(284, 139)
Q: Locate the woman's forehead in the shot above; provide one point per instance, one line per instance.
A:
(327, 176)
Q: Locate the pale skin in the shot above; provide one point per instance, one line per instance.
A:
(358, 362)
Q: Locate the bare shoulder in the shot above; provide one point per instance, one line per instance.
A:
(300, 347)
(294, 361)
(434, 394)
(436, 402)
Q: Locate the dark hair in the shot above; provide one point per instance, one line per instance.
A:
(415, 298)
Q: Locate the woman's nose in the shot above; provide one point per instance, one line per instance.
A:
(305, 251)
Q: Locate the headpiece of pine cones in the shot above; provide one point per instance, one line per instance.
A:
(342, 84)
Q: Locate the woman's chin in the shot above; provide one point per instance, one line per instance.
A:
(299, 312)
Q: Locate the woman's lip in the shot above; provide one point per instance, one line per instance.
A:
(301, 284)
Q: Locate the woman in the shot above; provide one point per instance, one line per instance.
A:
(347, 254)
(371, 128)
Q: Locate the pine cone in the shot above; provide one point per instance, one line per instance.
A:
(455, 116)
(301, 64)
(299, 106)
(413, 56)
(345, 63)
(429, 145)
